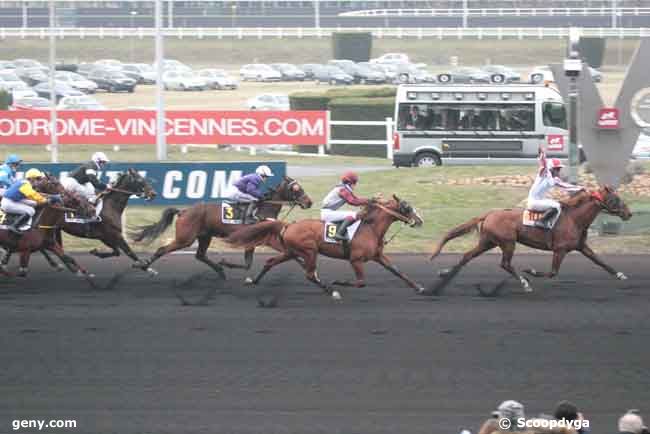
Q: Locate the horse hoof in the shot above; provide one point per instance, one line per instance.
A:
(60, 268)
(526, 284)
(621, 276)
(152, 272)
(22, 272)
(248, 281)
(336, 295)
(443, 272)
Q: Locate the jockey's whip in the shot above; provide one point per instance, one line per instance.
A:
(394, 235)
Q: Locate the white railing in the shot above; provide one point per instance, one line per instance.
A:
(299, 32)
(500, 12)
(387, 141)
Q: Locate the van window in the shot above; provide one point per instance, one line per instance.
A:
(554, 115)
(466, 116)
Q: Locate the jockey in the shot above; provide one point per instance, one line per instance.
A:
(84, 181)
(21, 198)
(547, 178)
(8, 172)
(336, 198)
(248, 189)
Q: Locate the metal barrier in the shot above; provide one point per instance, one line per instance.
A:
(323, 32)
(387, 142)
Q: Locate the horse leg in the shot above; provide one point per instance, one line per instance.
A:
(104, 255)
(558, 257)
(24, 263)
(387, 264)
(204, 243)
(121, 244)
(52, 262)
(270, 263)
(508, 250)
(359, 282)
(5, 261)
(447, 275)
(171, 247)
(248, 258)
(586, 250)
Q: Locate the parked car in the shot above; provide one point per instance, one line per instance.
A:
(112, 81)
(497, 71)
(308, 69)
(85, 102)
(543, 73)
(33, 76)
(174, 65)
(31, 103)
(268, 101)
(360, 73)
(410, 73)
(389, 71)
(183, 80)
(392, 58)
(111, 63)
(27, 63)
(642, 148)
(218, 79)
(465, 74)
(76, 81)
(146, 73)
(289, 72)
(259, 72)
(6, 64)
(9, 79)
(85, 69)
(60, 90)
(21, 90)
(332, 75)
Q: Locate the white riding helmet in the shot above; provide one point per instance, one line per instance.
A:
(99, 158)
(264, 171)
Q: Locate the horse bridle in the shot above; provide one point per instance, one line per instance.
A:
(393, 213)
(292, 201)
(130, 193)
(604, 203)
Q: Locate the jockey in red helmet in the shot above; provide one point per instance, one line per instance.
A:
(340, 195)
(547, 178)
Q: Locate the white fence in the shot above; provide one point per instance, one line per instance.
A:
(387, 142)
(500, 12)
(311, 32)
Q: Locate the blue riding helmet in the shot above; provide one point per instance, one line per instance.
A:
(13, 159)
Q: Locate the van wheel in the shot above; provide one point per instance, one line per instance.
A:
(427, 159)
(404, 78)
(536, 78)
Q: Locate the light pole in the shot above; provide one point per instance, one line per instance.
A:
(572, 69)
(234, 16)
(54, 140)
(132, 45)
(161, 142)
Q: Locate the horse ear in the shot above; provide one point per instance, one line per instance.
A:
(396, 198)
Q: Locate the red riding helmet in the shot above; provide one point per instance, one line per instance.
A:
(350, 178)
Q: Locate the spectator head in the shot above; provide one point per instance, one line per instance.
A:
(512, 410)
(566, 410)
(415, 109)
(631, 423)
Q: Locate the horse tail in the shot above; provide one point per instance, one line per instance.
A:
(458, 231)
(256, 234)
(150, 232)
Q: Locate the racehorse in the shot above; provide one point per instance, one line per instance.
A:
(304, 240)
(43, 236)
(109, 229)
(504, 228)
(203, 221)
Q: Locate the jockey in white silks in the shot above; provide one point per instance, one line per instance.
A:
(340, 195)
(85, 182)
(548, 177)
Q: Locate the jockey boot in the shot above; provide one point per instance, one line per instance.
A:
(549, 215)
(15, 226)
(342, 233)
(251, 213)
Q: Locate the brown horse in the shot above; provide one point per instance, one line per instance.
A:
(303, 241)
(203, 221)
(43, 235)
(109, 229)
(504, 228)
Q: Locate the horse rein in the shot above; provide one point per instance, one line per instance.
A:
(395, 214)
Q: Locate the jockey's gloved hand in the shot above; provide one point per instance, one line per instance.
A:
(55, 198)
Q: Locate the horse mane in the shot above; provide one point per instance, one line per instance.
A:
(576, 200)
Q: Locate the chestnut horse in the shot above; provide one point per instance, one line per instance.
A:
(303, 241)
(44, 235)
(203, 221)
(504, 228)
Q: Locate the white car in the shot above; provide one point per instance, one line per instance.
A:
(9, 79)
(183, 80)
(268, 101)
(147, 71)
(85, 102)
(542, 74)
(259, 72)
(392, 58)
(642, 148)
(76, 81)
(21, 90)
(31, 103)
(112, 63)
(175, 65)
(218, 79)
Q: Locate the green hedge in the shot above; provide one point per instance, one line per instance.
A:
(355, 46)
(6, 99)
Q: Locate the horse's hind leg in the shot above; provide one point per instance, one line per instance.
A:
(51, 261)
(248, 260)
(483, 246)
(270, 263)
(558, 257)
(360, 280)
(201, 255)
(508, 250)
(180, 242)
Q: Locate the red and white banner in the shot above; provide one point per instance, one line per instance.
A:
(109, 127)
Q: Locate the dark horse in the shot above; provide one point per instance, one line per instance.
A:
(109, 229)
(504, 228)
(43, 235)
(203, 222)
(303, 240)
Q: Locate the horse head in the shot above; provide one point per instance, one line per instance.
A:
(612, 203)
(291, 191)
(132, 181)
(402, 210)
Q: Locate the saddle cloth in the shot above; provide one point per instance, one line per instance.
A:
(534, 219)
(331, 228)
(71, 217)
(233, 213)
(7, 220)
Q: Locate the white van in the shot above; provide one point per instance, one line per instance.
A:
(434, 122)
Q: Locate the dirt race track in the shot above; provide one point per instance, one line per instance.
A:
(133, 360)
